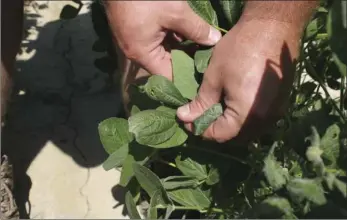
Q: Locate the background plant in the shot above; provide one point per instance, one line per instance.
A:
(296, 170)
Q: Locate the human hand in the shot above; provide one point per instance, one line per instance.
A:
(252, 67)
(141, 29)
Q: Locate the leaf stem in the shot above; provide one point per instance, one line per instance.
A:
(194, 208)
(220, 154)
(167, 163)
(221, 29)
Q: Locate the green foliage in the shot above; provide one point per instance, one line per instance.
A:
(292, 171)
(209, 116)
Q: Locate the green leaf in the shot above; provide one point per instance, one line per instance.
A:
(308, 189)
(178, 139)
(152, 127)
(337, 30)
(274, 172)
(127, 170)
(134, 110)
(152, 210)
(191, 168)
(174, 182)
(231, 10)
(209, 116)
(280, 203)
(134, 188)
(202, 59)
(205, 10)
(183, 74)
(116, 158)
(329, 179)
(213, 176)
(190, 198)
(312, 29)
(131, 206)
(330, 144)
(271, 208)
(151, 184)
(137, 153)
(161, 89)
(114, 133)
(167, 110)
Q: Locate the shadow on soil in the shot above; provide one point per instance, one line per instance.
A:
(57, 97)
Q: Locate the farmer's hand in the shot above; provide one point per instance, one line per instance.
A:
(141, 28)
(251, 70)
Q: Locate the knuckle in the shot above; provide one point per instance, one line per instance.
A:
(198, 32)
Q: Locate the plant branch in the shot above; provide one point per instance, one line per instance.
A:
(313, 72)
(193, 208)
(220, 154)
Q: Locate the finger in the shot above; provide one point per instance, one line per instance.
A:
(157, 62)
(226, 127)
(208, 95)
(194, 28)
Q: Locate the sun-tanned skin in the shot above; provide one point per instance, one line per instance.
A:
(251, 68)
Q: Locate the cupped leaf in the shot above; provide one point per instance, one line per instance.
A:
(175, 182)
(193, 198)
(161, 89)
(116, 158)
(205, 10)
(183, 73)
(114, 133)
(279, 202)
(131, 206)
(209, 116)
(152, 127)
(202, 59)
(191, 168)
(308, 189)
(276, 176)
(151, 183)
(330, 144)
(271, 208)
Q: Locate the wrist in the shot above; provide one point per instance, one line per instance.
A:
(293, 14)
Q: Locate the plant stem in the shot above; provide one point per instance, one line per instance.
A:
(220, 154)
(312, 71)
(342, 90)
(194, 208)
(167, 163)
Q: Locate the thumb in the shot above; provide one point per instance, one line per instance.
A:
(227, 125)
(209, 94)
(194, 28)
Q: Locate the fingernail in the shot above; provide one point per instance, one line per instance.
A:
(214, 35)
(183, 110)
